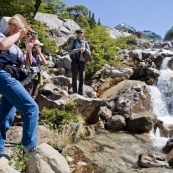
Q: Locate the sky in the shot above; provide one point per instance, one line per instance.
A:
(153, 15)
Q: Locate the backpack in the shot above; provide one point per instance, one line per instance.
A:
(22, 74)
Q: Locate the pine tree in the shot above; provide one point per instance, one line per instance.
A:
(93, 18)
(89, 15)
(99, 23)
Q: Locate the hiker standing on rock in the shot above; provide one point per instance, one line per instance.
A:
(14, 95)
(37, 60)
(76, 49)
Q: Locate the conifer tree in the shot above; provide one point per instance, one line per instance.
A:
(99, 23)
(89, 14)
(93, 18)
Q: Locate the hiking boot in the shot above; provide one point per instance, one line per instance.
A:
(30, 151)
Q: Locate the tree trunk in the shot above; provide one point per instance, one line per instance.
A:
(37, 5)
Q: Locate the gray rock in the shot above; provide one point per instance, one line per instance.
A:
(141, 122)
(152, 159)
(5, 168)
(47, 160)
(116, 123)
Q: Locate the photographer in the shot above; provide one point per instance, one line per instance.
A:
(13, 93)
(37, 60)
(76, 49)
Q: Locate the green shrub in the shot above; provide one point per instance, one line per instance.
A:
(104, 48)
(18, 161)
(55, 117)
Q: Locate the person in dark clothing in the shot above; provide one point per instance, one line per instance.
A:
(76, 49)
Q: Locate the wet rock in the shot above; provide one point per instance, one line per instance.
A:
(128, 97)
(152, 159)
(116, 123)
(141, 122)
(105, 113)
(168, 147)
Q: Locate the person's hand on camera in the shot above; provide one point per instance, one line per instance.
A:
(23, 32)
(38, 48)
(82, 49)
(29, 41)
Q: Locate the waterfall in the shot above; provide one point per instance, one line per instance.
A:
(162, 100)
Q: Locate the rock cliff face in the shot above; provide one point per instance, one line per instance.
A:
(63, 29)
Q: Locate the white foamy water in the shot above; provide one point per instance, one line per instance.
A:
(162, 100)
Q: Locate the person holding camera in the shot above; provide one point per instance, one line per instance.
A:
(76, 49)
(37, 60)
(14, 95)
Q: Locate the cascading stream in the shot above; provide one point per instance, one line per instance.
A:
(162, 100)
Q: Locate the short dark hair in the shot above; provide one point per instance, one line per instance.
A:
(79, 31)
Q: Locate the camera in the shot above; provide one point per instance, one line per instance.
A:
(32, 33)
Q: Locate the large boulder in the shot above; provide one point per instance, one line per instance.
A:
(47, 160)
(14, 135)
(87, 107)
(61, 28)
(141, 122)
(5, 167)
(127, 97)
(116, 123)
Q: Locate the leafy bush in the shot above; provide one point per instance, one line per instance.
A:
(55, 117)
(104, 48)
(18, 161)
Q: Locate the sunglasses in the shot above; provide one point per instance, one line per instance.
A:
(79, 32)
(14, 25)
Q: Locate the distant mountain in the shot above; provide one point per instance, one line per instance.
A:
(145, 34)
(126, 28)
(151, 35)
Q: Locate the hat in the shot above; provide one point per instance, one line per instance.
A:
(20, 19)
(80, 31)
(38, 42)
(4, 24)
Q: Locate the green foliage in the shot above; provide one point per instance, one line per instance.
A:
(104, 48)
(12, 7)
(93, 18)
(169, 35)
(55, 117)
(54, 7)
(125, 42)
(78, 10)
(18, 160)
(82, 22)
(99, 23)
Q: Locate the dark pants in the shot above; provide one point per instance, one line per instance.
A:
(78, 67)
(32, 88)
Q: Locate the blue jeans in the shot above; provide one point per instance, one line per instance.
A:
(15, 96)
